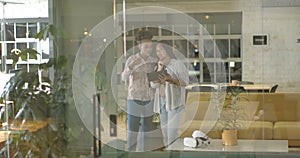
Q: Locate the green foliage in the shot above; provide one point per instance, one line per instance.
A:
(49, 31)
(38, 98)
(23, 54)
(232, 113)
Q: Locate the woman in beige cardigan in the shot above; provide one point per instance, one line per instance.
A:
(169, 100)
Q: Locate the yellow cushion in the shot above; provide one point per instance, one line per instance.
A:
(257, 130)
(287, 130)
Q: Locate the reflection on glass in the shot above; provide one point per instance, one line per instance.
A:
(32, 45)
(9, 67)
(235, 28)
(181, 46)
(22, 66)
(194, 71)
(154, 31)
(10, 47)
(9, 32)
(32, 29)
(45, 49)
(208, 29)
(193, 49)
(45, 55)
(235, 48)
(181, 29)
(222, 72)
(208, 48)
(222, 46)
(166, 30)
(221, 69)
(193, 30)
(222, 29)
(43, 25)
(129, 33)
(208, 72)
(21, 30)
(236, 71)
(129, 45)
(196, 66)
(21, 46)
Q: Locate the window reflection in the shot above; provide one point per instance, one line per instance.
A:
(32, 29)
(21, 30)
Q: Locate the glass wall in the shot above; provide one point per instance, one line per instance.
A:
(216, 43)
(231, 66)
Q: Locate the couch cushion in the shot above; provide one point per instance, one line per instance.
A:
(280, 106)
(287, 130)
(257, 130)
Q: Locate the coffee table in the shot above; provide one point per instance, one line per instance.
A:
(243, 146)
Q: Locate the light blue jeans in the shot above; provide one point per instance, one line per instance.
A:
(170, 122)
(139, 113)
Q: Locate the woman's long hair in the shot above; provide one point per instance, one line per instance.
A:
(168, 47)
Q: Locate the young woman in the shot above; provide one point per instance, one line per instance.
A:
(169, 100)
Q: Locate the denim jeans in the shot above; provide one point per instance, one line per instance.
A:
(170, 122)
(139, 113)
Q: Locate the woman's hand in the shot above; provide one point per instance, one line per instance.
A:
(156, 81)
(167, 78)
(160, 66)
(164, 77)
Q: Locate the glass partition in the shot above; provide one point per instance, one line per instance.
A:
(138, 78)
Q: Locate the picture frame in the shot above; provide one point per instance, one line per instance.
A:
(260, 39)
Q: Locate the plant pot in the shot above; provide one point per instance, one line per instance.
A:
(229, 137)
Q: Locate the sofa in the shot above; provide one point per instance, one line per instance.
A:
(280, 119)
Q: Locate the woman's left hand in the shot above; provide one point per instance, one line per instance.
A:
(165, 77)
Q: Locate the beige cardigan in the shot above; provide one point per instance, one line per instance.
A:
(174, 95)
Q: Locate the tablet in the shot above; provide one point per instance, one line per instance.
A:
(153, 76)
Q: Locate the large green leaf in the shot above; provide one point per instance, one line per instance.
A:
(31, 52)
(50, 30)
(40, 35)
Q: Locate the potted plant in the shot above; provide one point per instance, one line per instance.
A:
(232, 114)
(37, 99)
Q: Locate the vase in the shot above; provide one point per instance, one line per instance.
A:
(229, 137)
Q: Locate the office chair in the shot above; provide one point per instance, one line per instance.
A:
(246, 82)
(273, 89)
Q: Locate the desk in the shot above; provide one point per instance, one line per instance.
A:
(248, 87)
(244, 145)
(257, 87)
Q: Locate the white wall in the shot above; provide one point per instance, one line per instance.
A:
(279, 61)
(282, 56)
